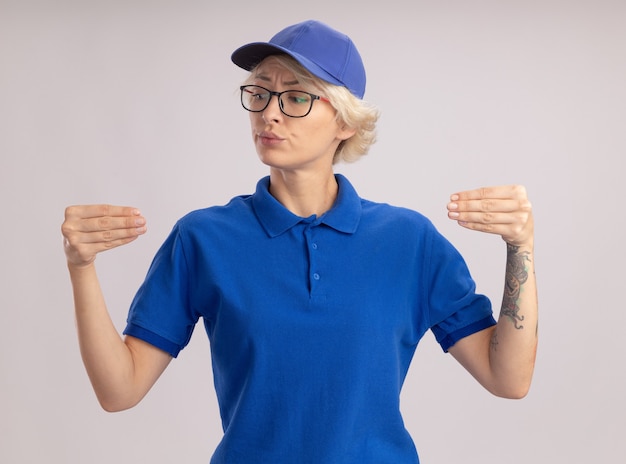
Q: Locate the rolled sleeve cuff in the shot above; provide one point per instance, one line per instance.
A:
(153, 339)
(448, 340)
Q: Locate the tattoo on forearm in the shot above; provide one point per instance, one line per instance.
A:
(516, 276)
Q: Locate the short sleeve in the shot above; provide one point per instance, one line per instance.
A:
(161, 313)
(456, 310)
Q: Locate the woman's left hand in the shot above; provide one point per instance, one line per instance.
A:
(503, 210)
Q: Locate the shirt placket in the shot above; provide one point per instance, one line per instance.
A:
(316, 275)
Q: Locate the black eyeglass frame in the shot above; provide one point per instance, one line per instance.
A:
(280, 100)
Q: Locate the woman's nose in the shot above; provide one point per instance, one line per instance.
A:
(272, 111)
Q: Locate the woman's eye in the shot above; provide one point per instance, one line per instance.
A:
(299, 98)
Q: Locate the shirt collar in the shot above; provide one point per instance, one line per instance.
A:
(344, 216)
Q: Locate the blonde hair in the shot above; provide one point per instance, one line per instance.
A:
(351, 111)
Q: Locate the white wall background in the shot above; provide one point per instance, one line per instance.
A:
(134, 103)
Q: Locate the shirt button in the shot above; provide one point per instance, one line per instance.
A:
(314, 246)
(316, 276)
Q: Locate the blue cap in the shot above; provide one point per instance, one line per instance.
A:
(323, 51)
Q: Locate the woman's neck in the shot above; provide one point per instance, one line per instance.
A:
(304, 193)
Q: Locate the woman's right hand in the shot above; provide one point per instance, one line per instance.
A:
(90, 229)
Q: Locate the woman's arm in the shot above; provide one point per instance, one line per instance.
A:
(121, 370)
(502, 358)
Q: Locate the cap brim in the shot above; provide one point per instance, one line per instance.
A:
(248, 56)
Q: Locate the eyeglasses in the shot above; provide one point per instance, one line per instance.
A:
(292, 103)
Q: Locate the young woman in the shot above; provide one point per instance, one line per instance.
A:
(313, 298)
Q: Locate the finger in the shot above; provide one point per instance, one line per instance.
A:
(486, 205)
(108, 223)
(86, 248)
(488, 217)
(102, 210)
(110, 238)
(495, 192)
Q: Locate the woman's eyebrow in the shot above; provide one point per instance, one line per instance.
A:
(265, 78)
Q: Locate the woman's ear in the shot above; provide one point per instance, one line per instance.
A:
(345, 132)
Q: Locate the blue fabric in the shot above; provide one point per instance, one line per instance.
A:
(313, 322)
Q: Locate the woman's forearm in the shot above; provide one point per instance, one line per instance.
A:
(513, 343)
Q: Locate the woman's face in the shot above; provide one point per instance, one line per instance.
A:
(287, 143)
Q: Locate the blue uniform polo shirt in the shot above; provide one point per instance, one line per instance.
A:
(312, 322)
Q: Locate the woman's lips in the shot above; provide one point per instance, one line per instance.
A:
(268, 138)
